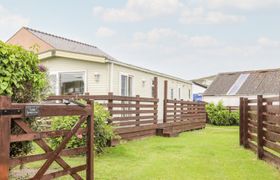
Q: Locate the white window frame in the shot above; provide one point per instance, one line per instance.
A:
(75, 71)
(180, 93)
(120, 83)
(171, 93)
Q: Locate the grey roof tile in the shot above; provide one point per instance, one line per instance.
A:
(265, 82)
(65, 44)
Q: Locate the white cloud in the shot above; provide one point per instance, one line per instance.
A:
(243, 4)
(203, 41)
(137, 10)
(266, 42)
(193, 56)
(200, 16)
(166, 37)
(158, 34)
(10, 22)
(104, 32)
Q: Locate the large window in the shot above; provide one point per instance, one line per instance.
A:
(126, 85)
(72, 83)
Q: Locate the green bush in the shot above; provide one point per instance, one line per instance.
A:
(102, 131)
(219, 115)
(22, 78)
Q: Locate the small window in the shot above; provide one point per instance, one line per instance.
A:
(130, 85)
(126, 85)
(72, 83)
(189, 94)
(171, 93)
(179, 93)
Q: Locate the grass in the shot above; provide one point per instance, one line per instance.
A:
(212, 153)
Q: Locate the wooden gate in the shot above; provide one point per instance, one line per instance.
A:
(17, 112)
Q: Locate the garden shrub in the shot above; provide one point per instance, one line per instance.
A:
(219, 115)
(103, 132)
(22, 78)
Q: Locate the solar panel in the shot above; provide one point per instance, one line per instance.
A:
(237, 84)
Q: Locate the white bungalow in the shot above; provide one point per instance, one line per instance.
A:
(76, 67)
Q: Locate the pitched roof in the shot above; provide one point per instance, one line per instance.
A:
(204, 82)
(65, 44)
(265, 82)
(61, 43)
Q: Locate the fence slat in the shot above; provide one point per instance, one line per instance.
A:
(41, 135)
(32, 158)
(64, 172)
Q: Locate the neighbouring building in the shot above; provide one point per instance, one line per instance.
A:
(76, 67)
(200, 85)
(229, 87)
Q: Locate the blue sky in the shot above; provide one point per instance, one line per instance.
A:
(185, 38)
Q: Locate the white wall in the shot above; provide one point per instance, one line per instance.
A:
(102, 87)
(146, 91)
(197, 89)
(229, 100)
(57, 64)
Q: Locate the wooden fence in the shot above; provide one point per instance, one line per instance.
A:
(137, 117)
(232, 108)
(132, 117)
(181, 115)
(260, 127)
(18, 112)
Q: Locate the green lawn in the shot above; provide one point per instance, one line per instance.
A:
(212, 153)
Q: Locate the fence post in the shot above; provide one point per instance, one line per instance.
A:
(90, 144)
(137, 110)
(175, 108)
(155, 95)
(5, 132)
(260, 150)
(241, 116)
(165, 101)
(182, 110)
(245, 122)
(110, 104)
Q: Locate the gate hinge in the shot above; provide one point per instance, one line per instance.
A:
(7, 112)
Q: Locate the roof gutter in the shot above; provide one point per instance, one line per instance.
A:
(200, 85)
(149, 71)
(99, 59)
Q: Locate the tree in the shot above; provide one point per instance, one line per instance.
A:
(22, 78)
